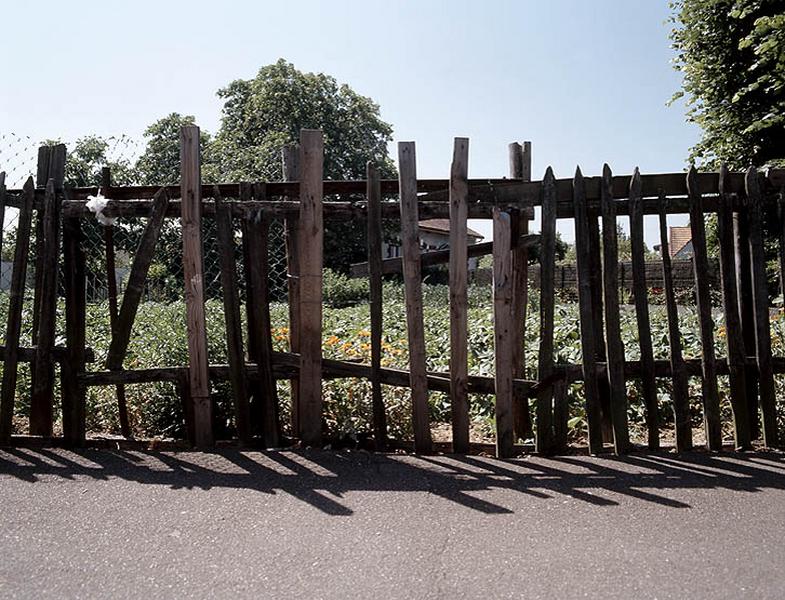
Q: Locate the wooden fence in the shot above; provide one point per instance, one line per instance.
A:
(593, 203)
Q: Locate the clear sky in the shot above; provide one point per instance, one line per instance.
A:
(586, 81)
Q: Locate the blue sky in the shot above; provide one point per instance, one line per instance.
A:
(586, 82)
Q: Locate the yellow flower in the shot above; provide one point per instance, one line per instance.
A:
(364, 333)
(332, 340)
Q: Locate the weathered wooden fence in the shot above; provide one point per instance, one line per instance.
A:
(593, 203)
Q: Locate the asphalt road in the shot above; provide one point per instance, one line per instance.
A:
(319, 524)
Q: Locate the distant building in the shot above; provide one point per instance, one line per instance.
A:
(434, 235)
(680, 242)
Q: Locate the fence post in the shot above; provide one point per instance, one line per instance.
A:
(374, 198)
(290, 156)
(193, 270)
(760, 302)
(615, 346)
(640, 293)
(544, 440)
(42, 394)
(15, 306)
(735, 341)
(711, 399)
(585, 263)
(72, 388)
(311, 238)
(459, 366)
(520, 168)
(681, 400)
(412, 279)
(503, 332)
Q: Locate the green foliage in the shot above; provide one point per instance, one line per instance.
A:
(340, 291)
(732, 56)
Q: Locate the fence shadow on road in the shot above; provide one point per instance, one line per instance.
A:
(326, 479)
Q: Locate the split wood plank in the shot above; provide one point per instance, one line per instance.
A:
(640, 293)
(231, 303)
(311, 242)
(520, 168)
(41, 178)
(680, 395)
(544, 441)
(290, 155)
(111, 289)
(615, 346)
(73, 393)
(41, 395)
(374, 197)
(735, 340)
(760, 300)
(193, 271)
(711, 400)
(412, 279)
(459, 276)
(259, 238)
(583, 251)
(743, 262)
(134, 289)
(503, 334)
(15, 307)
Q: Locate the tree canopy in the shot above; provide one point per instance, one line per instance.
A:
(732, 57)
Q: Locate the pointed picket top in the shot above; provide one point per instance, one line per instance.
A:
(692, 181)
(606, 190)
(636, 187)
(751, 182)
(549, 179)
(29, 185)
(578, 175)
(722, 178)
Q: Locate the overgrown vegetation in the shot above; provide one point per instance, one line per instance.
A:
(160, 340)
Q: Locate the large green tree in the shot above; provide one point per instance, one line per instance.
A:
(732, 57)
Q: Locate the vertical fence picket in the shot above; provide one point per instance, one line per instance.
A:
(374, 197)
(544, 408)
(311, 236)
(598, 318)
(583, 253)
(680, 395)
(41, 396)
(520, 168)
(735, 341)
(111, 292)
(640, 292)
(43, 174)
(459, 274)
(614, 344)
(231, 304)
(15, 309)
(264, 409)
(193, 273)
(290, 155)
(503, 332)
(72, 391)
(711, 400)
(760, 299)
(741, 242)
(412, 279)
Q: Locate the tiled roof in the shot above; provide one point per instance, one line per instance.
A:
(443, 226)
(679, 237)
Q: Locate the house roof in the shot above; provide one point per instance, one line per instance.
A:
(679, 237)
(443, 226)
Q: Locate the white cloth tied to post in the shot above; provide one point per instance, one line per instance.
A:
(97, 204)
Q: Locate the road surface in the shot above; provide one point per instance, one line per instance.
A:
(321, 524)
